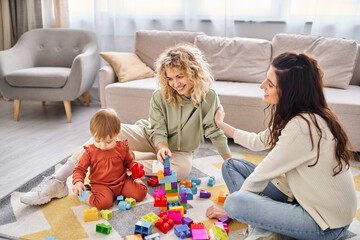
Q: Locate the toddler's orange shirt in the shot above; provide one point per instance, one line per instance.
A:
(107, 167)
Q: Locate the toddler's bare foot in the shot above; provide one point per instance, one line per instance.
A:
(216, 211)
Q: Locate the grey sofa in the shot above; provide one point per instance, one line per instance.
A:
(239, 65)
(54, 64)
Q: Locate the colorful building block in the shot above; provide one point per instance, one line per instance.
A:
(182, 231)
(222, 196)
(168, 179)
(134, 237)
(153, 181)
(199, 234)
(205, 194)
(164, 224)
(151, 217)
(103, 228)
(154, 236)
(167, 162)
(137, 170)
(90, 214)
(217, 233)
(124, 205)
(143, 228)
(84, 195)
(119, 199)
(159, 192)
(223, 226)
(106, 214)
(160, 175)
(132, 201)
(175, 215)
(194, 189)
(197, 226)
(50, 238)
(211, 181)
(195, 180)
(186, 220)
(160, 201)
(224, 220)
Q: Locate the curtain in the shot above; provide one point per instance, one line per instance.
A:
(6, 30)
(116, 21)
(20, 16)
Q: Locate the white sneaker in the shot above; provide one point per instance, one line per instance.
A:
(261, 234)
(49, 188)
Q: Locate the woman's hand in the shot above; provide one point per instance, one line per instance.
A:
(78, 186)
(163, 150)
(219, 116)
(216, 211)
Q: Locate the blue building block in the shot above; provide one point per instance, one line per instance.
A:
(211, 181)
(119, 199)
(84, 196)
(50, 238)
(124, 205)
(194, 189)
(182, 231)
(169, 179)
(195, 180)
(143, 228)
(167, 162)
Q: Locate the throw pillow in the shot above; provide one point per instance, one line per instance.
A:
(236, 59)
(127, 66)
(336, 56)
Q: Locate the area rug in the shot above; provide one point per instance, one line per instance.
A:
(63, 218)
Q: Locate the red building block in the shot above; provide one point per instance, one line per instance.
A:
(160, 201)
(164, 223)
(137, 170)
(153, 181)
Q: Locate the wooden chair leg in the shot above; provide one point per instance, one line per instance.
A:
(67, 105)
(87, 100)
(17, 103)
(43, 103)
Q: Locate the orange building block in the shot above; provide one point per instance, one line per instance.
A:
(160, 174)
(134, 237)
(90, 214)
(222, 196)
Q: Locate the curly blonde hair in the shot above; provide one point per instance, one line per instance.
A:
(189, 60)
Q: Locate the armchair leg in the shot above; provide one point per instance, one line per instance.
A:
(87, 100)
(43, 103)
(17, 103)
(67, 105)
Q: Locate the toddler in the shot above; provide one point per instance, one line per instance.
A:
(108, 160)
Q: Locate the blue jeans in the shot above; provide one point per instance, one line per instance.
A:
(273, 213)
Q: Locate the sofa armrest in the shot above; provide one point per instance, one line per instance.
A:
(106, 77)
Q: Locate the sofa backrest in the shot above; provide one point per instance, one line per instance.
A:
(149, 44)
(336, 56)
(236, 59)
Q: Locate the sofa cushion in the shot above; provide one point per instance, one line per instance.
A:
(236, 59)
(336, 56)
(150, 44)
(127, 66)
(42, 77)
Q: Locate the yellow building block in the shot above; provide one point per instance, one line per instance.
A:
(91, 214)
(151, 217)
(130, 200)
(106, 214)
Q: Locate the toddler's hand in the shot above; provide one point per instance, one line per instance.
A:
(78, 186)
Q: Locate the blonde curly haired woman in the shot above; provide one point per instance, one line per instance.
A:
(181, 116)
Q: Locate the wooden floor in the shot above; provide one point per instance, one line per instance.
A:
(41, 138)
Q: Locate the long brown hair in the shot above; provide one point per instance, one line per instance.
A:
(300, 89)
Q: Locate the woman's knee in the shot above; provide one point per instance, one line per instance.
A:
(236, 204)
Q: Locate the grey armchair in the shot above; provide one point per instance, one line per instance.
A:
(54, 64)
